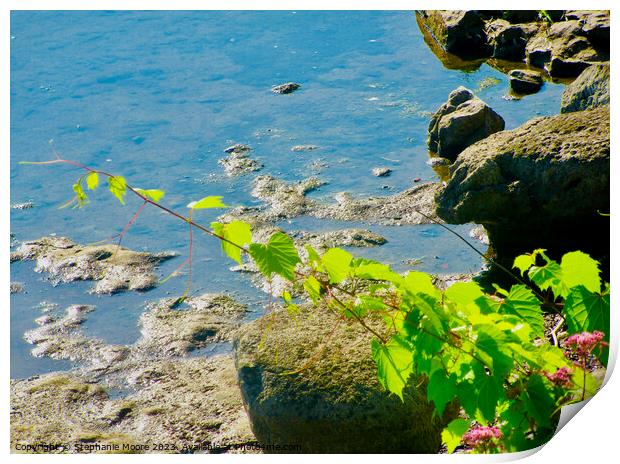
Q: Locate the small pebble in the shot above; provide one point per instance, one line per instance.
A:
(289, 87)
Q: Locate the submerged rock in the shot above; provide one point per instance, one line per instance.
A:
(17, 287)
(289, 87)
(462, 120)
(525, 82)
(286, 199)
(304, 147)
(238, 148)
(589, 90)
(114, 268)
(337, 238)
(540, 185)
(318, 388)
(381, 171)
(24, 205)
(397, 209)
(238, 162)
(188, 404)
(169, 331)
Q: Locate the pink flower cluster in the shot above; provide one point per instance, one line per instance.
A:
(482, 437)
(584, 343)
(561, 377)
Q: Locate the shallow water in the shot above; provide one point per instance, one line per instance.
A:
(157, 96)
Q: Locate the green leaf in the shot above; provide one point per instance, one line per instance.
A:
(524, 262)
(80, 196)
(207, 203)
(375, 271)
(394, 364)
(313, 256)
(489, 390)
(237, 232)
(441, 389)
(580, 269)
(154, 195)
(336, 263)
(279, 256)
(453, 433)
(587, 311)
(92, 180)
(538, 401)
(420, 282)
(523, 303)
(291, 307)
(313, 288)
(118, 187)
(463, 292)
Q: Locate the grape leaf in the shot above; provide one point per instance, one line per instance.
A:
(313, 288)
(453, 433)
(278, 256)
(523, 303)
(154, 195)
(118, 187)
(441, 389)
(336, 263)
(464, 292)
(207, 203)
(580, 269)
(394, 364)
(80, 196)
(92, 180)
(237, 232)
(587, 311)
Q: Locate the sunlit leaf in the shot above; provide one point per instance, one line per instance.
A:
(394, 364)
(92, 180)
(154, 195)
(336, 263)
(453, 433)
(118, 187)
(580, 269)
(278, 256)
(237, 232)
(207, 202)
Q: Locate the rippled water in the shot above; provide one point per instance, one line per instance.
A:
(157, 96)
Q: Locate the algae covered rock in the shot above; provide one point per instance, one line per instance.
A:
(114, 268)
(462, 120)
(310, 380)
(541, 185)
(589, 90)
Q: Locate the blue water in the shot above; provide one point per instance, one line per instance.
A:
(157, 96)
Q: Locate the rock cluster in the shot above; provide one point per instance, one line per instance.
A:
(563, 42)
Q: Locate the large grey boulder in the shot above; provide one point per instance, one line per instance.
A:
(310, 380)
(461, 32)
(541, 185)
(463, 120)
(589, 90)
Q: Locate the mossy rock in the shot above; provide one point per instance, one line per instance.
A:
(310, 380)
